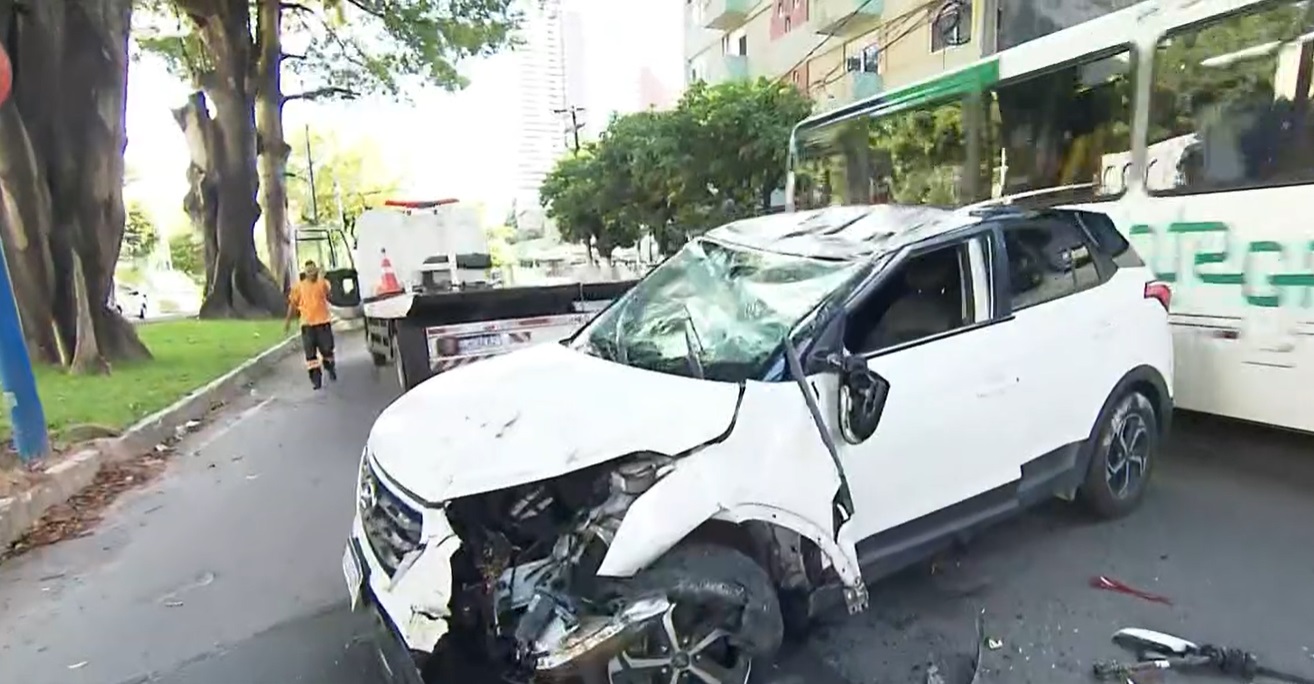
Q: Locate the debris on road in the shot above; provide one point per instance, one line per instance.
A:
(78, 665)
(1107, 584)
(79, 514)
(994, 644)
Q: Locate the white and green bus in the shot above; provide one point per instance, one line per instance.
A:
(1187, 121)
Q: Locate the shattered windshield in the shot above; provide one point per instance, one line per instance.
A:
(713, 310)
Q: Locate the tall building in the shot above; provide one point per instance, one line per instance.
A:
(541, 82)
(837, 50)
(575, 50)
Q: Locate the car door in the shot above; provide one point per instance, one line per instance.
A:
(943, 450)
(1064, 326)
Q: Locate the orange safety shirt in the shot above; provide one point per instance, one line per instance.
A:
(310, 297)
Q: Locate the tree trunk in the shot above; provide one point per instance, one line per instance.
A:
(272, 147)
(237, 284)
(202, 201)
(62, 137)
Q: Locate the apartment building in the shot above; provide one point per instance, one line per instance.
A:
(838, 50)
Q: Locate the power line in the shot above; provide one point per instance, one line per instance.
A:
(574, 122)
(827, 80)
(847, 18)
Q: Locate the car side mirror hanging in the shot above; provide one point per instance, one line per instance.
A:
(863, 393)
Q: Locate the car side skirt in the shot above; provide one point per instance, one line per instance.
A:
(1042, 478)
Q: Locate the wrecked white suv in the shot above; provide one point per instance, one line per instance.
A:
(790, 405)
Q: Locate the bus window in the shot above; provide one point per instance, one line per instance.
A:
(837, 164)
(1236, 91)
(919, 155)
(1065, 127)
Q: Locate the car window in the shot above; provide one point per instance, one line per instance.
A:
(1109, 241)
(929, 294)
(1047, 260)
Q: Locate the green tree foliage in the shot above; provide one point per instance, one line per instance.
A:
(716, 157)
(347, 48)
(139, 233)
(572, 194)
(362, 179)
(187, 255)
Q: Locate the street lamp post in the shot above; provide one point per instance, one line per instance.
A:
(20, 391)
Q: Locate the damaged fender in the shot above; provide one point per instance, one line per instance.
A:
(772, 467)
(418, 596)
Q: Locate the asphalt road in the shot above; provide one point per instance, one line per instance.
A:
(227, 569)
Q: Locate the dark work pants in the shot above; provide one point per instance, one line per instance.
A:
(317, 341)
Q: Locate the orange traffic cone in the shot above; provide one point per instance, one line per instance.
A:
(388, 283)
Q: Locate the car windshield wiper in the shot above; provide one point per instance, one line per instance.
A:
(690, 340)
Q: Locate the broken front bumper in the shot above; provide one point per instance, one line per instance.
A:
(411, 585)
(396, 661)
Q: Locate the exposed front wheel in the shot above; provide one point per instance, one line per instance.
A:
(724, 623)
(1122, 457)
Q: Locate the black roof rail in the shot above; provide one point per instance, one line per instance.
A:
(1002, 210)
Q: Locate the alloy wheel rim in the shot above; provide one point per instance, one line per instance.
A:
(669, 653)
(1129, 454)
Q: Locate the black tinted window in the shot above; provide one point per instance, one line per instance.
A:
(1109, 241)
(1229, 101)
(1047, 260)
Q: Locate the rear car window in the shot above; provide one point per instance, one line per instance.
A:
(1108, 240)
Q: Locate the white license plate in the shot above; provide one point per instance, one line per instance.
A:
(466, 345)
(352, 573)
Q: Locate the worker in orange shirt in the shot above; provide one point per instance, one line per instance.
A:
(309, 300)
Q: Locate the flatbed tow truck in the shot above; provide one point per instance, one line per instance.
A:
(433, 301)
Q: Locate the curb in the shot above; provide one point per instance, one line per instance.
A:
(60, 481)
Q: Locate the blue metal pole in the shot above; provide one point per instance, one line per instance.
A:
(21, 397)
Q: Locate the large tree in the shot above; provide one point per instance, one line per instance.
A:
(719, 155)
(237, 61)
(62, 136)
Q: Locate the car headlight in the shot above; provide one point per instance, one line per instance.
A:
(367, 492)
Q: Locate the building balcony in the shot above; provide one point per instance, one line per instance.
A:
(726, 15)
(846, 18)
(851, 87)
(723, 68)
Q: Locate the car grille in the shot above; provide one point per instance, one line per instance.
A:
(392, 527)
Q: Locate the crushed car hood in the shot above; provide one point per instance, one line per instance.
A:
(538, 413)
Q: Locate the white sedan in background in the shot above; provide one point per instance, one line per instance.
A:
(129, 301)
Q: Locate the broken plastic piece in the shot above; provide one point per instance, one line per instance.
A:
(599, 640)
(1107, 584)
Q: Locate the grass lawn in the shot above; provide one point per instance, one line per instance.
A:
(188, 354)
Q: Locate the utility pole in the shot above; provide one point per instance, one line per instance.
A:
(575, 125)
(310, 167)
(20, 391)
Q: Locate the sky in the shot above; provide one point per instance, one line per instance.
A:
(441, 144)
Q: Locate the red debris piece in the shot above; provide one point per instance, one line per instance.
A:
(1108, 584)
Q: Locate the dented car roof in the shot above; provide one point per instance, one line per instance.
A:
(842, 232)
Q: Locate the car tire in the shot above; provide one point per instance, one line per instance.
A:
(380, 360)
(714, 590)
(1123, 452)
